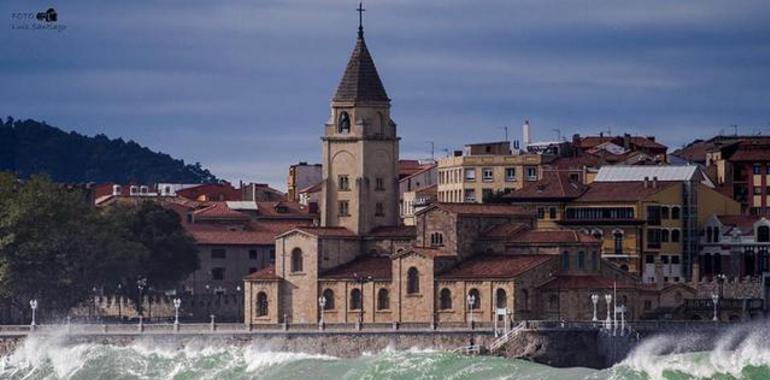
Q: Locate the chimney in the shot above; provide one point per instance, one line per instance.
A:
(525, 134)
(646, 182)
(627, 141)
(576, 138)
(654, 182)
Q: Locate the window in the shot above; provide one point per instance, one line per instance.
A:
(218, 253)
(328, 295)
(445, 299)
(664, 236)
(675, 236)
(763, 234)
(344, 208)
(296, 260)
(664, 214)
(531, 174)
(343, 183)
(252, 269)
(272, 255)
(379, 184)
(757, 190)
(218, 274)
(252, 254)
(653, 238)
(379, 209)
(412, 281)
(510, 174)
(709, 234)
(541, 212)
(565, 260)
(574, 177)
(552, 213)
(261, 304)
(649, 259)
(437, 239)
(487, 175)
(757, 169)
(470, 175)
(675, 213)
(383, 299)
(470, 195)
(675, 260)
(653, 215)
(355, 299)
(474, 293)
(618, 240)
(581, 260)
(344, 123)
(600, 213)
(501, 299)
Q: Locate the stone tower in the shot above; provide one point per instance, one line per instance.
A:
(360, 151)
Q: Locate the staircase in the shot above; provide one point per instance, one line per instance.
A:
(501, 341)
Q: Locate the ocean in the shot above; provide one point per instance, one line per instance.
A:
(734, 356)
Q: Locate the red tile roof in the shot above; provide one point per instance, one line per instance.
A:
(341, 232)
(588, 142)
(564, 236)
(312, 189)
(219, 210)
(480, 209)
(394, 231)
(283, 210)
(431, 190)
(553, 185)
(504, 231)
(256, 233)
(580, 162)
(495, 266)
(621, 191)
(585, 282)
(750, 151)
(378, 267)
(266, 273)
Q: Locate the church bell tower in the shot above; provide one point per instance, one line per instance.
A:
(360, 150)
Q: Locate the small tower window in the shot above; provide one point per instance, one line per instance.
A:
(436, 239)
(343, 182)
(412, 281)
(379, 209)
(344, 208)
(344, 123)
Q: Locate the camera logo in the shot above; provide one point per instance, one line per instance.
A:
(48, 16)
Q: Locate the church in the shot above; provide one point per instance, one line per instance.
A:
(461, 264)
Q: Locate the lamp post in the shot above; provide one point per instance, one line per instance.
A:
(595, 300)
(361, 280)
(471, 301)
(141, 283)
(120, 302)
(622, 311)
(239, 300)
(33, 306)
(322, 305)
(93, 302)
(715, 300)
(177, 303)
(608, 299)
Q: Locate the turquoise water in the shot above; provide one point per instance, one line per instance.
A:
(48, 358)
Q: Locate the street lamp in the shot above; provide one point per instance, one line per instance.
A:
(141, 283)
(239, 300)
(595, 300)
(93, 302)
(322, 305)
(33, 305)
(608, 299)
(120, 302)
(361, 280)
(622, 311)
(177, 303)
(471, 301)
(715, 300)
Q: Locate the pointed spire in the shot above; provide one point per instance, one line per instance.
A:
(360, 82)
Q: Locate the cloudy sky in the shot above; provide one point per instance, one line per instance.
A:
(244, 86)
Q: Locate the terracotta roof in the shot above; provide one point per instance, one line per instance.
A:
(585, 282)
(503, 231)
(421, 169)
(394, 231)
(495, 266)
(585, 160)
(378, 267)
(621, 191)
(283, 210)
(553, 236)
(430, 190)
(219, 210)
(312, 189)
(408, 167)
(360, 82)
(327, 231)
(588, 142)
(256, 233)
(266, 273)
(748, 151)
(695, 151)
(554, 184)
(482, 209)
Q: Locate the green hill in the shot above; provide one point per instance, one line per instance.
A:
(30, 147)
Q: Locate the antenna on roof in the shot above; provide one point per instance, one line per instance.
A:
(558, 133)
(735, 129)
(432, 150)
(506, 132)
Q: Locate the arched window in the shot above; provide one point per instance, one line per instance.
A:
(664, 236)
(296, 260)
(664, 212)
(383, 299)
(355, 299)
(675, 236)
(344, 123)
(261, 304)
(501, 299)
(445, 299)
(328, 295)
(436, 239)
(565, 260)
(618, 236)
(412, 281)
(716, 234)
(476, 298)
(675, 213)
(763, 234)
(582, 260)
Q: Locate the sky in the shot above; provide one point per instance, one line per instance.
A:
(243, 86)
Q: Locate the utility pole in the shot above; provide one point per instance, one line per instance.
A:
(506, 132)
(432, 150)
(735, 129)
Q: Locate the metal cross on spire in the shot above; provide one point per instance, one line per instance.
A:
(360, 11)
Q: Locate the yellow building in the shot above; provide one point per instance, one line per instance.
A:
(483, 170)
